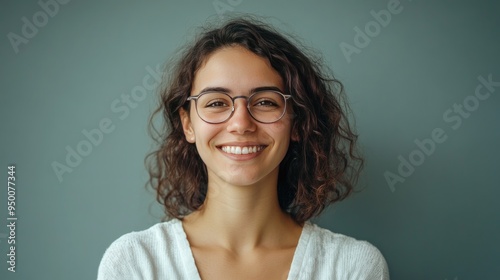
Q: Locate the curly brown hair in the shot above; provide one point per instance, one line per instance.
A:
(320, 168)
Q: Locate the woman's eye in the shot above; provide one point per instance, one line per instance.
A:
(216, 104)
(269, 103)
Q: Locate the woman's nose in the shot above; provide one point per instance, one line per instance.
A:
(241, 121)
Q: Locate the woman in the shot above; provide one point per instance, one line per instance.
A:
(255, 144)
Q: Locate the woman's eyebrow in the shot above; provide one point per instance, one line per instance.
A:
(265, 88)
(226, 90)
(218, 89)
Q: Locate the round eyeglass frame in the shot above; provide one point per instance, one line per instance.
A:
(195, 98)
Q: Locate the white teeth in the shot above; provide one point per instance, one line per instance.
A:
(237, 150)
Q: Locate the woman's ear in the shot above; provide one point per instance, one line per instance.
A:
(186, 125)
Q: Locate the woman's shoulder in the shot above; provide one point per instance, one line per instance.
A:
(328, 238)
(142, 254)
(347, 253)
(164, 231)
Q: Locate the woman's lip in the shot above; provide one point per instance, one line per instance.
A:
(241, 144)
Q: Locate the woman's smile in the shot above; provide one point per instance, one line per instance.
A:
(238, 150)
(241, 152)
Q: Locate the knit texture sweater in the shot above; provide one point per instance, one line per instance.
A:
(163, 252)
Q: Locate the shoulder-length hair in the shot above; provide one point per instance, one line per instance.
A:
(320, 168)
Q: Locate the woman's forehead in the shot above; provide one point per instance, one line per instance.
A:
(236, 68)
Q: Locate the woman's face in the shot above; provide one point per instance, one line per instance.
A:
(238, 71)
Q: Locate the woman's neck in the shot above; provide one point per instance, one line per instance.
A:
(242, 218)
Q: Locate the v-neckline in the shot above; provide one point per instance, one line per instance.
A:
(192, 271)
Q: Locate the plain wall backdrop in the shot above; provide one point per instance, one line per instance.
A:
(422, 78)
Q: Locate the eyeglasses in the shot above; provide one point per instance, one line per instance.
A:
(266, 106)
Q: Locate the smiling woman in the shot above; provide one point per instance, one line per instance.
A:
(255, 143)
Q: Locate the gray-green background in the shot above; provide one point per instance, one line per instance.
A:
(440, 223)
